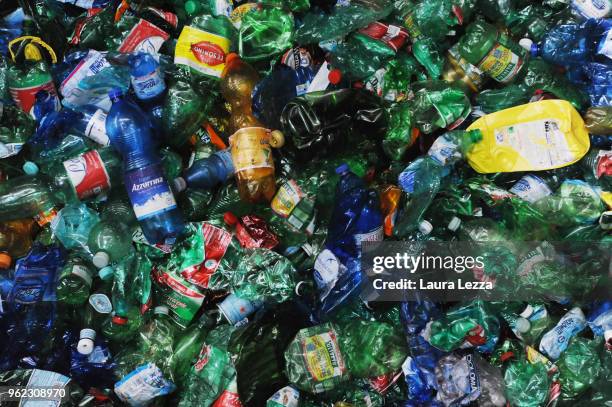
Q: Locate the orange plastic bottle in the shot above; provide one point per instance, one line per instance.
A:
(251, 143)
(15, 240)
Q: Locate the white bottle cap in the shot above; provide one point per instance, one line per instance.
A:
(526, 44)
(101, 259)
(425, 227)
(179, 184)
(86, 341)
(527, 311)
(454, 224)
(161, 309)
(522, 325)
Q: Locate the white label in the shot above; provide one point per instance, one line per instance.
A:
(100, 303)
(10, 149)
(286, 397)
(148, 86)
(531, 188)
(74, 96)
(605, 45)
(375, 235)
(443, 149)
(142, 385)
(540, 142)
(83, 273)
(327, 268)
(301, 88)
(592, 8)
(321, 80)
(45, 378)
(96, 128)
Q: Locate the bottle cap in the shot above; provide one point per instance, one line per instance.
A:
(527, 311)
(106, 273)
(114, 93)
(475, 136)
(161, 309)
(191, 7)
(180, 184)
(454, 224)
(231, 56)
(86, 342)
(526, 43)
(522, 325)
(119, 320)
(301, 286)
(230, 219)
(30, 168)
(5, 260)
(277, 139)
(334, 76)
(342, 168)
(101, 259)
(425, 227)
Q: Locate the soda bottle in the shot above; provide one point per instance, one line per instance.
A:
(148, 189)
(74, 282)
(148, 83)
(492, 52)
(250, 143)
(207, 173)
(109, 241)
(72, 227)
(15, 240)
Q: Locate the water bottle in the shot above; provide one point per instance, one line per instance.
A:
(148, 189)
(109, 241)
(92, 124)
(148, 83)
(72, 227)
(207, 173)
(74, 282)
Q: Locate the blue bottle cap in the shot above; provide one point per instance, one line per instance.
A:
(342, 168)
(30, 168)
(106, 273)
(535, 50)
(114, 93)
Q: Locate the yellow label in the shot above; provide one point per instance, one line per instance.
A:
(286, 199)
(501, 64)
(533, 137)
(203, 51)
(412, 27)
(322, 356)
(251, 149)
(239, 12)
(607, 198)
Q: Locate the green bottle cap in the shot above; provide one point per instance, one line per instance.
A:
(475, 136)
(191, 7)
(30, 168)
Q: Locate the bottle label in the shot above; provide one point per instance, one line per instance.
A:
(501, 63)
(182, 298)
(296, 57)
(25, 97)
(592, 8)
(148, 86)
(217, 241)
(101, 303)
(375, 235)
(303, 216)
(393, 36)
(287, 197)
(327, 269)
(46, 379)
(149, 191)
(202, 51)
(251, 149)
(144, 37)
(142, 385)
(239, 12)
(73, 94)
(412, 27)
(45, 217)
(96, 128)
(531, 188)
(87, 174)
(541, 143)
(83, 273)
(236, 309)
(10, 149)
(322, 356)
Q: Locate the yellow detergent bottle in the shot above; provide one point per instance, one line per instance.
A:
(532, 137)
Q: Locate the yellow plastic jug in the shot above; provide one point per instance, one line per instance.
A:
(532, 137)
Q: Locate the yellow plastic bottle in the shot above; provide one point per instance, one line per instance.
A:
(251, 143)
(533, 137)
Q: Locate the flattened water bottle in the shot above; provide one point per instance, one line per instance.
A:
(147, 187)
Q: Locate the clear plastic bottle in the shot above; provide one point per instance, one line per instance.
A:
(109, 241)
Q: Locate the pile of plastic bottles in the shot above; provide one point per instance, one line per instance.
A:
(185, 187)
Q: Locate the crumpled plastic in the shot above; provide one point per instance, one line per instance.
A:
(265, 33)
(579, 366)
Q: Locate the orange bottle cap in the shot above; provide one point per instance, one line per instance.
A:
(231, 56)
(5, 261)
(334, 76)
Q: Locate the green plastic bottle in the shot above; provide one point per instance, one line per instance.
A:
(492, 51)
(26, 80)
(109, 241)
(74, 281)
(187, 347)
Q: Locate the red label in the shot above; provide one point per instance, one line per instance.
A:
(26, 97)
(217, 241)
(391, 35)
(45, 217)
(208, 53)
(171, 18)
(603, 164)
(145, 37)
(87, 174)
(227, 399)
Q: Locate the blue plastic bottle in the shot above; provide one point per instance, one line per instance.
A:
(91, 123)
(573, 44)
(148, 83)
(208, 172)
(356, 218)
(148, 189)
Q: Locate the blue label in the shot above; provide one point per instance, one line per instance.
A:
(148, 86)
(149, 191)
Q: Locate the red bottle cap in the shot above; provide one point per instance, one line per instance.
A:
(119, 320)
(230, 219)
(334, 76)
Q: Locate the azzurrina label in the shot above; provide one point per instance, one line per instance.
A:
(149, 191)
